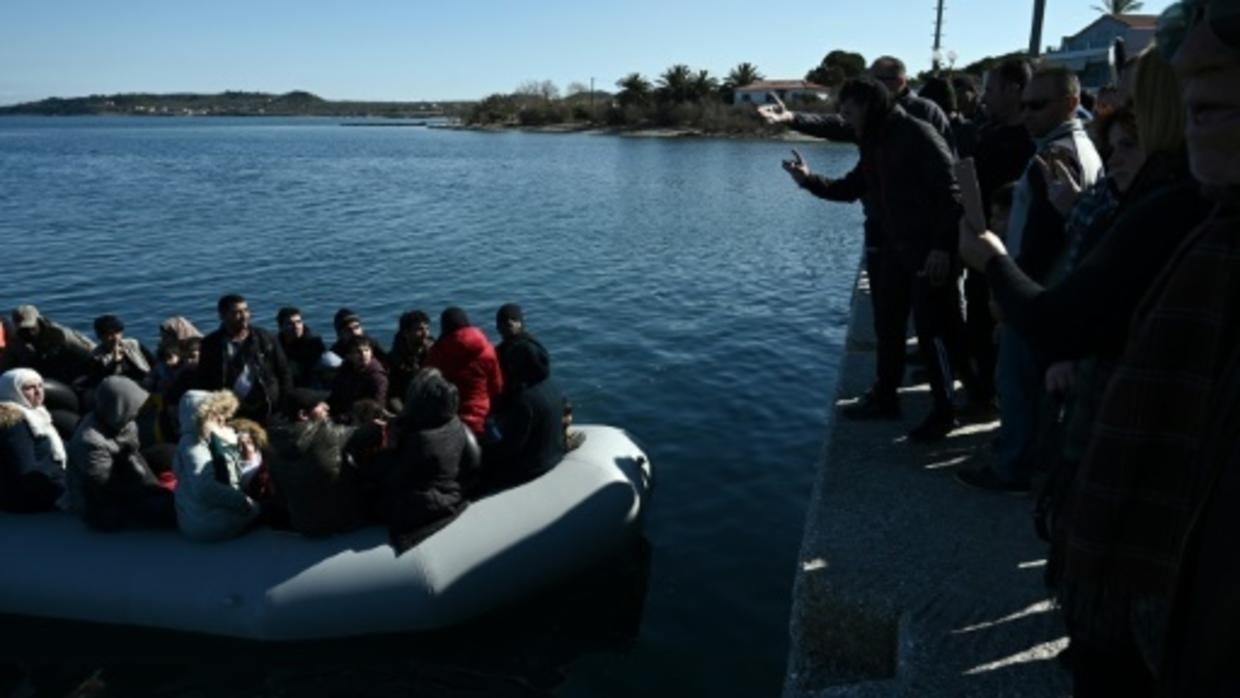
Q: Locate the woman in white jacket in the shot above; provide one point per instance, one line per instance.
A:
(209, 500)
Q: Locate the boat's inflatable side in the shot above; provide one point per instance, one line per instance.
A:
(269, 585)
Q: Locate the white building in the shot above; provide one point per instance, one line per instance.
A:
(1088, 51)
(786, 90)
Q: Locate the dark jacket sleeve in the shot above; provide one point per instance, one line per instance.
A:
(279, 367)
(933, 155)
(850, 187)
(1044, 238)
(210, 372)
(832, 127)
(932, 114)
(380, 385)
(28, 492)
(1089, 311)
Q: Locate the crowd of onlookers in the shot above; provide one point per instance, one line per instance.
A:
(216, 434)
(1081, 275)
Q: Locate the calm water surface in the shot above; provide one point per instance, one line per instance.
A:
(687, 290)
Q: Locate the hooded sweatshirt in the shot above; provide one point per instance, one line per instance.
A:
(209, 501)
(528, 428)
(469, 362)
(104, 452)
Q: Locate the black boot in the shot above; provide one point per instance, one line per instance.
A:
(937, 425)
(871, 406)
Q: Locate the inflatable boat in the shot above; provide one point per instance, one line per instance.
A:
(278, 586)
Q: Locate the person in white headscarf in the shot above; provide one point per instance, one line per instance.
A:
(31, 451)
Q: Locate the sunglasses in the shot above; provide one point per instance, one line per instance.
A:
(1222, 16)
(1034, 104)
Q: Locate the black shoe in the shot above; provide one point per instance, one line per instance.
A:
(870, 407)
(977, 411)
(986, 479)
(934, 427)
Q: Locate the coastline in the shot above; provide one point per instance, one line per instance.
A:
(643, 132)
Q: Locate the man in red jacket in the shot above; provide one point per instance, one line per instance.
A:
(466, 358)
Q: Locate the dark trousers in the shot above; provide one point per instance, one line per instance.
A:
(936, 318)
(1110, 671)
(979, 340)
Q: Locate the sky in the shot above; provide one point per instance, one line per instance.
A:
(466, 49)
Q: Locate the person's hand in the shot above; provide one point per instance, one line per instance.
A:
(797, 167)
(1062, 187)
(1060, 378)
(775, 112)
(938, 267)
(978, 248)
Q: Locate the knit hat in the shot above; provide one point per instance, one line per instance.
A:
(26, 317)
(344, 316)
(452, 319)
(509, 311)
(106, 324)
(303, 400)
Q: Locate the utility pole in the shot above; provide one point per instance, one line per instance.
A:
(1035, 35)
(938, 37)
(593, 114)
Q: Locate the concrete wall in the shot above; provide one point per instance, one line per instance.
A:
(908, 583)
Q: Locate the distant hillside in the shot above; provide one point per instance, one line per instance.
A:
(296, 103)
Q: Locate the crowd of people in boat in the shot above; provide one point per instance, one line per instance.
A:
(217, 434)
(1101, 302)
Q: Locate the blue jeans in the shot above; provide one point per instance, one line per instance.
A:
(1020, 396)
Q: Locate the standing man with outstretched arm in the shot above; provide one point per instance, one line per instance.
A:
(906, 171)
(891, 73)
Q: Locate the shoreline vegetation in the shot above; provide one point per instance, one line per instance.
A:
(681, 102)
(184, 104)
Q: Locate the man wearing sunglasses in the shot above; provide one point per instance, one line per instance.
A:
(1036, 236)
(1150, 565)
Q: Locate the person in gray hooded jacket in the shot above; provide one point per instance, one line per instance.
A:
(110, 484)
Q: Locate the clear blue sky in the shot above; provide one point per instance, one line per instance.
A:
(466, 49)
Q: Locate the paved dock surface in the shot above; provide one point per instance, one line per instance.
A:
(910, 584)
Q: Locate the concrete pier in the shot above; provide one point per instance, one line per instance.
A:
(908, 583)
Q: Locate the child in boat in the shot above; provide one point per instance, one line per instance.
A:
(209, 500)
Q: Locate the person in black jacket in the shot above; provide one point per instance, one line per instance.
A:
(910, 165)
(410, 346)
(244, 359)
(302, 347)
(525, 432)
(510, 323)
(892, 74)
(435, 457)
(1004, 150)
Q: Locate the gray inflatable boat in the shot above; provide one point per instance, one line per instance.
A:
(278, 586)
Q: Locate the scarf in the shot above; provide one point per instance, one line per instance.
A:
(37, 418)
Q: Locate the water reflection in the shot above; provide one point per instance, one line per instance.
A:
(526, 650)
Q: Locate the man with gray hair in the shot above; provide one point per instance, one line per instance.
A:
(1037, 240)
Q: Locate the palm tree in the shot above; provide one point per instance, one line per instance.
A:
(634, 90)
(740, 76)
(676, 83)
(743, 74)
(1118, 7)
(704, 84)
